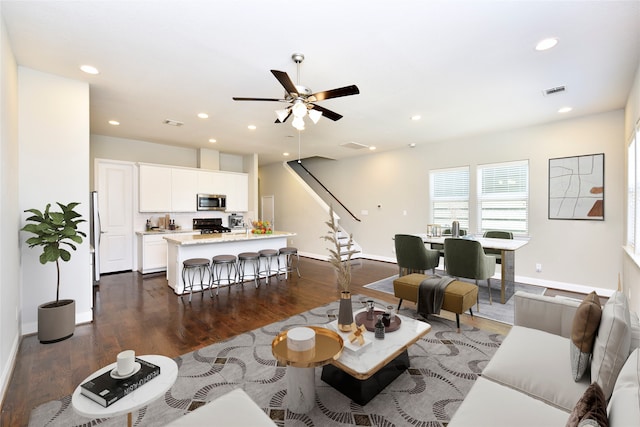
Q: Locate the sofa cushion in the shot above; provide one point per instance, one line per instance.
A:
(590, 410)
(489, 404)
(624, 404)
(611, 347)
(635, 332)
(583, 334)
(234, 409)
(537, 363)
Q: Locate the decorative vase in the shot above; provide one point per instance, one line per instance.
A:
(345, 313)
(56, 321)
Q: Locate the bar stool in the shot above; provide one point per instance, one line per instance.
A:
(191, 267)
(289, 252)
(269, 255)
(218, 263)
(253, 258)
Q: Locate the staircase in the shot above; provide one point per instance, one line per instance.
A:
(326, 197)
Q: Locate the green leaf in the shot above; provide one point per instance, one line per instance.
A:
(65, 255)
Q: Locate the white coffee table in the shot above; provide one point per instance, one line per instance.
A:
(137, 399)
(363, 374)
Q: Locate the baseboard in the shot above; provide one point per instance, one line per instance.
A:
(32, 327)
(7, 369)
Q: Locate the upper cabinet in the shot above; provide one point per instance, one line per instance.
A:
(169, 189)
(155, 188)
(184, 183)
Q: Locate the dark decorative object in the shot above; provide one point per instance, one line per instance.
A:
(379, 333)
(55, 232)
(576, 187)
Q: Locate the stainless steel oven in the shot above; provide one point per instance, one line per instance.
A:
(211, 202)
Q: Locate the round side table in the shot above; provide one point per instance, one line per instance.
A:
(301, 379)
(136, 399)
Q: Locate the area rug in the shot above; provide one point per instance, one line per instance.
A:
(444, 366)
(496, 311)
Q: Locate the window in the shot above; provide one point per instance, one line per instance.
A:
(631, 194)
(633, 191)
(450, 196)
(503, 197)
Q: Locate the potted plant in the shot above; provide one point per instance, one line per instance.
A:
(55, 232)
(343, 271)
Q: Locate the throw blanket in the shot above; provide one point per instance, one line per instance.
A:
(431, 294)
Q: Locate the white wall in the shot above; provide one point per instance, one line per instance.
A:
(53, 125)
(571, 252)
(9, 211)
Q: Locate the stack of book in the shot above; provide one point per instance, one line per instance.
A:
(105, 389)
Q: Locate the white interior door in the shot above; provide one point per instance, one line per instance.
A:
(115, 204)
(268, 210)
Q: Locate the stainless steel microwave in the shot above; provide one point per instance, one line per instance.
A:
(211, 202)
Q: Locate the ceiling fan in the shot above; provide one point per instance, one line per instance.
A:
(301, 99)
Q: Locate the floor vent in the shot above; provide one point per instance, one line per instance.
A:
(554, 90)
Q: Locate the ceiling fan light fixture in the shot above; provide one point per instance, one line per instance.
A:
(282, 115)
(299, 109)
(298, 123)
(315, 115)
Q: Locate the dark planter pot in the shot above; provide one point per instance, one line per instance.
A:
(56, 320)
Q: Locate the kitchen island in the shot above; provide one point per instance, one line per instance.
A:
(182, 247)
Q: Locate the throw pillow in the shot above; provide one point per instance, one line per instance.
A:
(611, 348)
(591, 409)
(583, 334)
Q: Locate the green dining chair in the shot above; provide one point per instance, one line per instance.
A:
(497, 234)
(440, 247)
(465, 258)
(413, 256)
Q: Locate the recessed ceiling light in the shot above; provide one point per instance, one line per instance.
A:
(565, 110)
(252, 127)
(203, 115)
(89, 69)
(372, 148)
(114, 122)
(546, 44)
(412, 145)
(285, 154)
(212, 140)
(416, 117)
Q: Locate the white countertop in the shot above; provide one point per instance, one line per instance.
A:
(205, 239)
(165, 231)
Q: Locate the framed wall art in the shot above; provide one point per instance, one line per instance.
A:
(576, 187)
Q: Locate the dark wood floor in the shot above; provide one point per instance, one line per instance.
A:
(142, 313)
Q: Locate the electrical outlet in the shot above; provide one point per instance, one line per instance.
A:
(538, 268)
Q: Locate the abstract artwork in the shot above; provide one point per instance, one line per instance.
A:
(576, 187)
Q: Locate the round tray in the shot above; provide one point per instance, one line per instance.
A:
(328, 347)
(370, 324)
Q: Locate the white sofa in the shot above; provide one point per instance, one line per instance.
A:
(234, 409)
(529, 380)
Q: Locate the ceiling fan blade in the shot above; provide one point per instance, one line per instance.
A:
(236, 98)
(336, 93)
(331, 115)
(285, 119)
(285, 81)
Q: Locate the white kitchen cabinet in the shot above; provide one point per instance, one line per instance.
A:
(155, 188)
(184, 187)
(152, 251)
(170, 189)
(237, 185)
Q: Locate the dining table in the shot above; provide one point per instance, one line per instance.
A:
(507, 248)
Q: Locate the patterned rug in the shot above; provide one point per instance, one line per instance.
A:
(444, 365)
(496, 311)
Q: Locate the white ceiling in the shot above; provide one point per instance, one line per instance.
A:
(466, 67)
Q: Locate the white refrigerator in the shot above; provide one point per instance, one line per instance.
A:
(94, 236)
